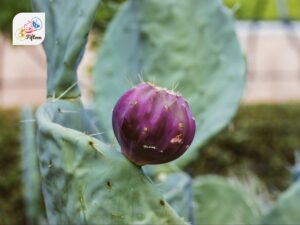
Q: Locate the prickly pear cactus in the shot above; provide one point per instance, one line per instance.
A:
(88, 182)
(286, 209)
(189, 46)
(84, 181)
(219, 201)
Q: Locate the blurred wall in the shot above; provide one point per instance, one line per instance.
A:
(272, 51)
(23, 74)
(273, 58)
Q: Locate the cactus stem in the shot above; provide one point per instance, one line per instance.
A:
(66, 91)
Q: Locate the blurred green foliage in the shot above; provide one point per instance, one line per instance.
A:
(262, 9)
(8, 9)
(261, 138)
(243, 10)
(11, 199)
(106, 12)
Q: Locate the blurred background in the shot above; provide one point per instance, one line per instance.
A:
(260, 141)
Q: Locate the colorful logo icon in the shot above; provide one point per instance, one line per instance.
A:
(29, 28)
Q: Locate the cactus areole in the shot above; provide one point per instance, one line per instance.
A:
(153, 125)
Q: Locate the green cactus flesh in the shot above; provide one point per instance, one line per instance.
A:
(30, 169)
(87, 182)
(67, 27)
(219, 201)
(177, 190)
(286, 210)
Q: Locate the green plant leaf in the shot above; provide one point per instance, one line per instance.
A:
(219, 201)
(87, 182)
(189, 44)
(286, 209)
(67, 27)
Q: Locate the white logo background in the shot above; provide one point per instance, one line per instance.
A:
(28, 28)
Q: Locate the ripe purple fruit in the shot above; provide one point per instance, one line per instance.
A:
(152, 125)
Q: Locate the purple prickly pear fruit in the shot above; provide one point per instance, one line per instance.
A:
(152, 125)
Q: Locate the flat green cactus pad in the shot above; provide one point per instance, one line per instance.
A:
(67, 26)
(189, 46)
(87, 182)
(219, 201)
(287, 209)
